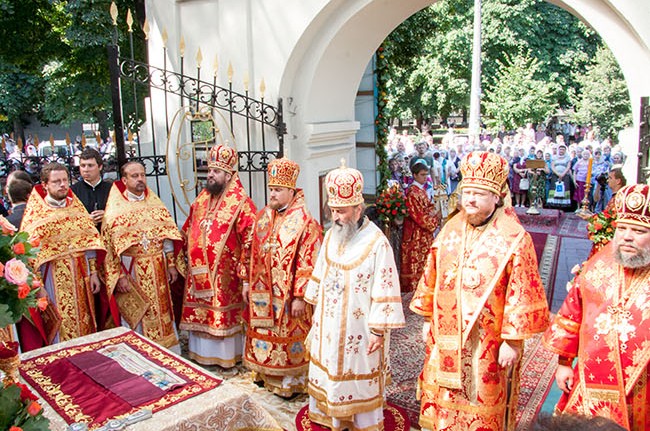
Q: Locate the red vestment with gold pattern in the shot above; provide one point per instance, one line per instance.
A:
(218, 233)
(417, 236)
(134, 232)
(66, 235)
(605, 323)
(283, 253)
(480, 287)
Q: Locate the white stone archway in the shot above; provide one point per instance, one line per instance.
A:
(313, 54)
(335, 49)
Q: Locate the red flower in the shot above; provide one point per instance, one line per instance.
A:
(33, 408)
(19, 248)
(2, 270)
(25, 393)
(42, 303)
(23, 291)
(15, 428)
(394, 212)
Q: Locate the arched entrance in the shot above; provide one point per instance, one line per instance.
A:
(324, 69)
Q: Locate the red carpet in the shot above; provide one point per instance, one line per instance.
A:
(407, 358)
(536, 377)
(395, 419)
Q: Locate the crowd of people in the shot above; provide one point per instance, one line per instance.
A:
(558, 182)
(308, 313)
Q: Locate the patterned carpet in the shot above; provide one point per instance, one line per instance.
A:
(407, 357)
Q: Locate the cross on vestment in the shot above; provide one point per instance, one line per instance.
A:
(451, 241)
(144, 242)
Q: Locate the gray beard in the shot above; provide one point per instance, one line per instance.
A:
(344, 232)
(641, 260)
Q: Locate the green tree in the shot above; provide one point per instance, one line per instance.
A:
(29, 42)
(518, 97)
(435, 80)
(605, 100)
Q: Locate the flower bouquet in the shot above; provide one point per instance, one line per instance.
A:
(601, 227)
(20, 410)
(18, 284)
(391, 204)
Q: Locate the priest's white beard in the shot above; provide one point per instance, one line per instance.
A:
(640, 260)
(343, 232)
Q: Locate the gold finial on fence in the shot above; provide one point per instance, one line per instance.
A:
(146, 29)
(98, 138)
(67, 138)
(262, 87)
(83, 141)
(129, 135)
(164, 37)
(245, 80)
(3, 144)
(52, 140)
(36, 142)
(181, 46)
(129, 20)
(215, 65)
(20, 143)
(230, 72)
(113, 11)
(199, 58)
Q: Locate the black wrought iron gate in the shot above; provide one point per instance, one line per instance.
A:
(215, 115)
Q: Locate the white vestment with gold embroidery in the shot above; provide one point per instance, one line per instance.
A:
(355, 288)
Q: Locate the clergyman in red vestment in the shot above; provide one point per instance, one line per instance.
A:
(481, 296)
(420, 224)
(286, 239)
(70, 251)
(604, 323)
(218, 235)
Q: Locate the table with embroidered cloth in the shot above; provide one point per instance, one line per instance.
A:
(109, 378)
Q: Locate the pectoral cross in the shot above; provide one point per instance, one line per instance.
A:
(144, 242)
(271, 244)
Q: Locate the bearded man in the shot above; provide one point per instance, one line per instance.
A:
(70, 252)
(481, 296)
(144, 256)
(604, 323)
(218, 234)
(355, 290)
(286, 239)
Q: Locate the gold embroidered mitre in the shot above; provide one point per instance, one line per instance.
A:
(633, 204)
(485, 170)
(283, 173)
(224, 158)
(344, 187)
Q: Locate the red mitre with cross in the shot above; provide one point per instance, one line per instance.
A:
(485, 170)
(283, 173)
(344, 187)
(633, 205)
(224, 158)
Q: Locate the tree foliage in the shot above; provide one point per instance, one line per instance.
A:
(605, 100)
(436, 80)
(53, 60)
(518, 97)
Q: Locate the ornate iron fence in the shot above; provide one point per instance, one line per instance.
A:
(174, 99)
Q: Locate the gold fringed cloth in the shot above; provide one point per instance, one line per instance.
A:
(78, 397)
(60, 231)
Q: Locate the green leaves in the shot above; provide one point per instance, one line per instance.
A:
(604, 101)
